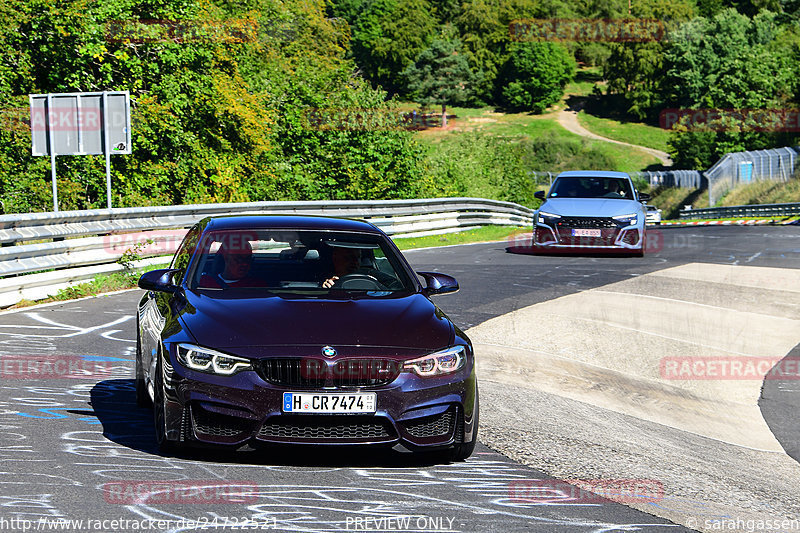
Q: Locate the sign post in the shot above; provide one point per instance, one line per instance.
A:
(80, 124)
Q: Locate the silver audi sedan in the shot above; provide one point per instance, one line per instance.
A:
(591, 211)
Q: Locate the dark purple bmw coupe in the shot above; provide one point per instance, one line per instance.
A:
(300, 329)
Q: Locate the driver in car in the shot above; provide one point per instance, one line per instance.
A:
(347, 261)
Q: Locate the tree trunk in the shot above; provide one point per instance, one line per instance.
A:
(444, 115)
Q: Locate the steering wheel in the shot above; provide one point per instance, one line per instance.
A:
(357, 281)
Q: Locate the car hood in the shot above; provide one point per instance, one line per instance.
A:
(596, 207)
(411, 324)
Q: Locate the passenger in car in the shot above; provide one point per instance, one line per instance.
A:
(236, 269)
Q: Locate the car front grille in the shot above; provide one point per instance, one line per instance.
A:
(606, 238)
(586, 222)
(330, 428)
(218, 425)
(432, 426)
(311, 373)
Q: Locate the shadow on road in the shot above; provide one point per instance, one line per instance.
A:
(114, 404)
(780, 403)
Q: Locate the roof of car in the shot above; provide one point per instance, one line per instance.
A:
(593, 174)
(306, 222)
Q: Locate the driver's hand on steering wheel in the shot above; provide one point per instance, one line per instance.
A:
(328, 283)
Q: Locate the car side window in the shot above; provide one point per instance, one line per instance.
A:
(186, 250)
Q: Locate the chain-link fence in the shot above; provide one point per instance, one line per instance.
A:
(692, 179)
(741, 168)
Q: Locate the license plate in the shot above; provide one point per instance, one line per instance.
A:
(303, 402)
(586, 233)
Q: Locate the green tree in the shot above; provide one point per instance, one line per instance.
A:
(219, 100)
(635, 71)
(440, 75)
(483, 27)
(388, 35)
(535, 75)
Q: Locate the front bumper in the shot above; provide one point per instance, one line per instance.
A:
(419, 413)
(611, 239)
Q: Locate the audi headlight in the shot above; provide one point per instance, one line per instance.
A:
(436, 364)
(627, 220)
(210, 361)
(548, 218)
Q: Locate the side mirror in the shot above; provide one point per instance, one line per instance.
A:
(159, 281)
(438, 283)
(539, 195)
(643, 196)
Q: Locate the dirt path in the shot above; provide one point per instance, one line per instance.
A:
(568, 118)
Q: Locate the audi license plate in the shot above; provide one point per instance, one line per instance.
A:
(586, 233)
(303, 402)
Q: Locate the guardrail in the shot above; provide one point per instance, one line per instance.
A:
(78, 245)
(759, 210)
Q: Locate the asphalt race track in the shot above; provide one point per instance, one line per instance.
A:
(73, 448)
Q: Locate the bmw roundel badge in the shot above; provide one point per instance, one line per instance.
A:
(329, 351)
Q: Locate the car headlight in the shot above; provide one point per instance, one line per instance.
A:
(547, 218)
(210, 361)
(627, 220)
(436, 364)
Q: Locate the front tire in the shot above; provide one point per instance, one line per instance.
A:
(462, 451)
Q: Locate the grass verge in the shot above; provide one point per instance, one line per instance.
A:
(482, 234)
(763, 192)
(116, 281)
(483, 153)
(629, 132)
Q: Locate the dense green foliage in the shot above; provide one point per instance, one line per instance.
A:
(220, 104)
(500, 167)
(730, 61)
(738, 56)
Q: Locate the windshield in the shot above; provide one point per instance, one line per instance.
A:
(592, 187)
(308, 262)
